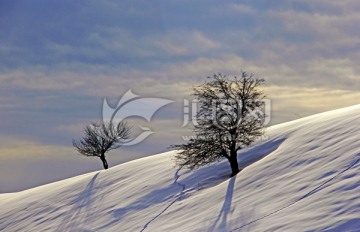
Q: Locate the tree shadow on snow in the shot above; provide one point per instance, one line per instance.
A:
(214, 174)
(253, 154)
(78, 215)
(227, 221)
(193, 180)
(226, 208)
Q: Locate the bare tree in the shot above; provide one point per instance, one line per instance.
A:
(229, 118)
(101, 138)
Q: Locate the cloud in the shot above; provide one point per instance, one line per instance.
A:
(204, 42)
(332, 7)
(242, 9)
(292, 102)
(31, 35)
(340, 73)
(186, 43)
(20, 149)
(319, 32)
(172, 48)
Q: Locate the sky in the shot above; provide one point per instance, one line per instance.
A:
(59, 60)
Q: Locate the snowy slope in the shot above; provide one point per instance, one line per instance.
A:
(305, 177)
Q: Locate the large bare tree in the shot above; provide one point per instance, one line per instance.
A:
(228, 119)
(100, 138)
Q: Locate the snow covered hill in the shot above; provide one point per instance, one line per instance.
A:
(304, 177)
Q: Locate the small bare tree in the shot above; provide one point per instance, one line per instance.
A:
(228, 120)
(101, 138)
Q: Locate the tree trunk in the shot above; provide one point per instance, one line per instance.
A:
(105, 164)
(234, 163)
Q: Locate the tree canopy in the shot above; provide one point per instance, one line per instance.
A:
(229, 118)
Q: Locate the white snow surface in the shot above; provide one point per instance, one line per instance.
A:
(304, 177)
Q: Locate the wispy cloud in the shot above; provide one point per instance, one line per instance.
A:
(242, 9)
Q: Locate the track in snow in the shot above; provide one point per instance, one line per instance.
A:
(183, 187)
